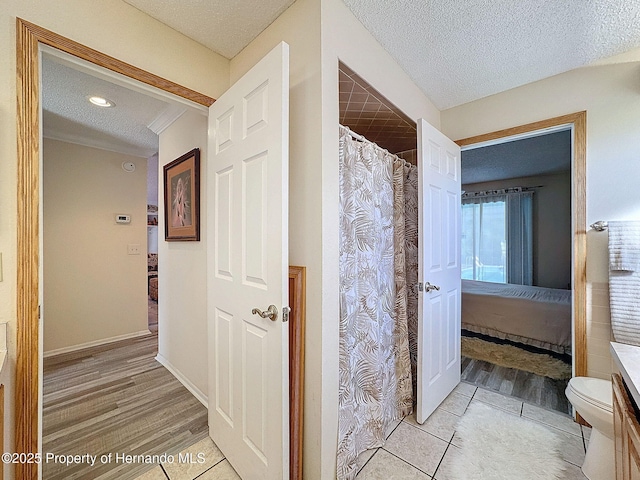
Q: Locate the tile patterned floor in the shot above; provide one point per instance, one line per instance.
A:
(412, 451)
(208, 463)
(423, 452)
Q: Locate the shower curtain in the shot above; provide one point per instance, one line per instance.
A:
(411, 262)
(375, 386)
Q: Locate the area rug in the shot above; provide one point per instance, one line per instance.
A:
(514, 357)
(495, 445)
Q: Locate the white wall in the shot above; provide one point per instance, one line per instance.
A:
(320, 33)
(182, 268)
(551, 224)
(299, 26)
(610, 93)
(93, 290)
(152, 199)
(345, 39)
(119, 30)
(152, 180)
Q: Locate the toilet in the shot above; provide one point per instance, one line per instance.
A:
(592, 398)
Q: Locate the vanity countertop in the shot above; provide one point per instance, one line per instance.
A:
(627, 358)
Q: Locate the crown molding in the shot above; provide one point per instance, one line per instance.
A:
(166, 118)
(100, 144)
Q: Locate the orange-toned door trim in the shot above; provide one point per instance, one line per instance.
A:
(28, 39)
(578, 121)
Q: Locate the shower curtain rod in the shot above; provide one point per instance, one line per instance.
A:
(360, 138)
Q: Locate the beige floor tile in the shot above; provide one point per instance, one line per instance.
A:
(155, 473)
(557, 420)
(384, 466)
(364, 457)
(572, 448)
(455, 403)
(417, 447)
(222, 471)
(455, 441)
(573, 472)
(465, 389)
(204, 455)
(441, 423)
(453, 455)
(509, 404)
(392, 427)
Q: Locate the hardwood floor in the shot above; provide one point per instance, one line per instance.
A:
(529, 387)
(115, 399)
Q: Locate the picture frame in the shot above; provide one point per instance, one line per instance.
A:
(182, 198)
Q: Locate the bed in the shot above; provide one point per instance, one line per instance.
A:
(532, 315)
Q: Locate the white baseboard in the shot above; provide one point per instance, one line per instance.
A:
(195, 391)
(95, 343)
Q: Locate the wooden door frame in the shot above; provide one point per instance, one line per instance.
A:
(297, 322)
(578, 122)
(28, 39)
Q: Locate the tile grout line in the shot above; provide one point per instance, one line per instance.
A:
(385, 441)
(584, 440)
(408, 463)
(429, 433)
(211, 468)
(394, 428)
(365, 463)
(442, 458)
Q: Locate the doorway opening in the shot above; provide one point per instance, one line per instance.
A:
(516, 267)
(101, 361)
(574, 123)
(30, 39)
(363, 119)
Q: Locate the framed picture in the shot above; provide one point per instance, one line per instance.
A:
(182, 198)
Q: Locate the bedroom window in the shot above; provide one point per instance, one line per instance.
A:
(497, 236)
(484, 241)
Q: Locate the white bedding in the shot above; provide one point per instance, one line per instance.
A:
(533, 315)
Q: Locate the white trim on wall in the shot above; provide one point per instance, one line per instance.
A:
(95, 343)
(195, 391)
(84, 141)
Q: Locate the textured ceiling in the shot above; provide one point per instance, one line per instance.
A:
(226, 27)
(541, 155)
(457, 51)
(68, 116)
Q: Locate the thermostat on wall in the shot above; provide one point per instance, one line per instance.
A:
(123, 218)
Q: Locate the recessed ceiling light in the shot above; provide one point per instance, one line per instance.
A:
(101, 101)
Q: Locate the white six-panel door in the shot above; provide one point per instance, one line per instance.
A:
(439, 265)
(247, 218)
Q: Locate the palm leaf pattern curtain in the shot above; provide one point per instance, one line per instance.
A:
(411, 262)
(375, 368)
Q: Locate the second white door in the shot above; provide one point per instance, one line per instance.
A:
(439, 190)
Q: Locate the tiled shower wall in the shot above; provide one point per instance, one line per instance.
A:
(599, 362)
